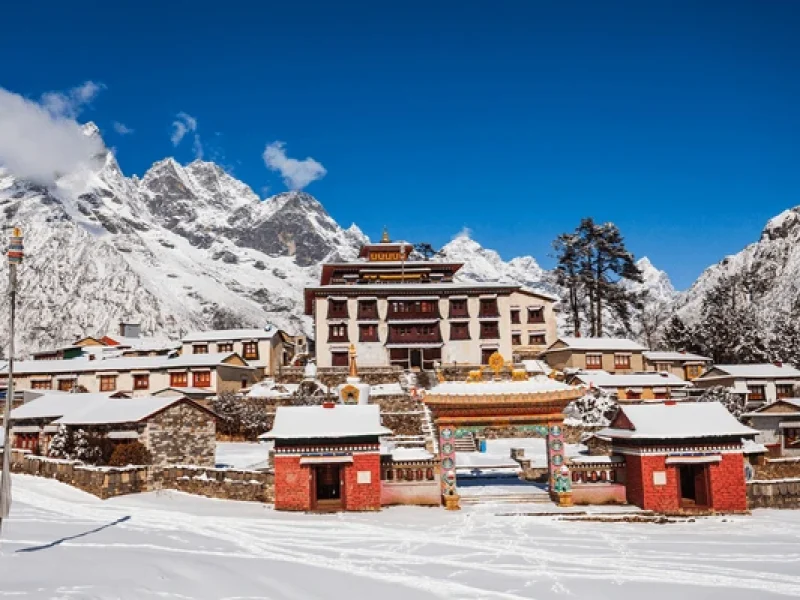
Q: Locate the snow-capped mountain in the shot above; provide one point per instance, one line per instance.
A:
(656, 284)
(770, 266)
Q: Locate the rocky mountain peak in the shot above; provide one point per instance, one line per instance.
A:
(784, 225)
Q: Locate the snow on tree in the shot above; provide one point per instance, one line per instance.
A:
(784, 338)
(735, 403)
(61, 445)
(82, 450)
(596, 407)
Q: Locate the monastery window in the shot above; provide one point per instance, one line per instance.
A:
(622, 361)
(200, 349)
(201, 379)
(226, 347)
(515, 316)
(536, 339)
(42, 385)
(755, 392)
(141, 381)
(337, 308)
(458, 308)
(108, 383)
(250, 350)
(65, 385)
(337, 333)
(594, 361)
(367, 309)
(368, 333)
(489, 330)
(516, 339)
(488, 308)
(459, 331)
(784, 390)
(339, 359)
(179, 380)
(486, 353)
(536, 315)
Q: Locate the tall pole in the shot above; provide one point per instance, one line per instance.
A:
(15, 253)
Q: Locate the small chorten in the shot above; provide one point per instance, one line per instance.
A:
(385, 237)
(353, 391)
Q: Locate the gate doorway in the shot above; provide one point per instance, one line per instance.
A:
(416, 358)
(328, 487)
(693, 486)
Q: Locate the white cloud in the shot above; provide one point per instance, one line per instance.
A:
(121, 128)
(69, 104)
(183, 124)
(197, 147)
(41, 140)
(296, 174)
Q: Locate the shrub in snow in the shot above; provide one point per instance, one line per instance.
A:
(134, 453)
(62, 444)
(595, 408)
(735, 403)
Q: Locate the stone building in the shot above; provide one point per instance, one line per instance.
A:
(685, 365)
(613, 355)
(778, 426)
(327, 457)
(760, 383)
(634, 387)
(681, 456)
(174, 430)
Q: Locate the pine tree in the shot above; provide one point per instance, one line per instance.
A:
(568, 247)
(735, 403)
(81, 445)
(61, 445)
(425, 251)
(596, 407)
(784, 339)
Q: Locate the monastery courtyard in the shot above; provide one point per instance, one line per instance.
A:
(63, 543)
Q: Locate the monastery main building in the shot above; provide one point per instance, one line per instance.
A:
(411, 314)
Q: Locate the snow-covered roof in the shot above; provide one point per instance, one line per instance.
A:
(762, 410)
(753, 447)
(530, 386)
(677, 421)
(587, 343)
(409, 454)
(603, 379)
(669, 356)
(757, 371)
(342, 420)
(421, 287)
(536, 366)
(52, 405)
(189, 391)
(130, 363)
(223, 335)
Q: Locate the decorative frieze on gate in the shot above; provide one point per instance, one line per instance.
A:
(447, 452)
(555, 454)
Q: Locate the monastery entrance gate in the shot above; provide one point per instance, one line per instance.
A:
(462, 408)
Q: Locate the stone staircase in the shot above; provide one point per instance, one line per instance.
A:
(520, 498)
(429, 430)
(465, 443)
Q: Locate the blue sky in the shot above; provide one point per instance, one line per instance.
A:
(679, 121)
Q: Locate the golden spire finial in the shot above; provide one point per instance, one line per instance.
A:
(385, 237)
(353, 366)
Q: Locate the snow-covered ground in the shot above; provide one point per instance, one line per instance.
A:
(242, 455)
(498, 453)
(62, 543)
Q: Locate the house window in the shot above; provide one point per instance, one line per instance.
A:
(594, 361)
(65, 385)
(489, 330)
(536, 339)
(108, 383)
(783, 390)
(368, 333)
(226, 347)
(42, 385)
(458, 308)
(250, 350)
(516, 339)
(791, 438)
(337, 333)
(755, 392)
(201, 379)
(663, 367)
(141, 381)
(200, 349)
(693, 371)
(536, 315)
(459, 331)
(485, 354)
(337, 308)
(515, 316)
(179, 380)
(339, 359)
(622, 361)
(488, 308)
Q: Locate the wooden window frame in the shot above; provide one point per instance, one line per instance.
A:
(343, 337)
(622, 361)
(248, 355)
(459, 327)
(490, 333)
(536, 320)
(516, 339)
(204, 375)
(226, 347)
(336, 357)
(137, 378)
(591, 363)
(103, 383)
(781, 391)
(173, 377)
(199, 348)
(362, 333)
(532, 342)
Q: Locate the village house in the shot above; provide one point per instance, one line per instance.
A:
(327, 457)
(778, 426)
(128, 342)
(613, 355)
(634, 387)
(685, 365)
(681, 456)
(266, 349)
(218, 373)
(175, 430)
(760, 383)
(412, 313)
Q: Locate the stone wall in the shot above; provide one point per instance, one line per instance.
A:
(333, 376)
(778, 468)
(182, 434)
(226, 484)
(773, 494)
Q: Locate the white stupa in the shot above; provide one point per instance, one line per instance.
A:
(353, 391)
